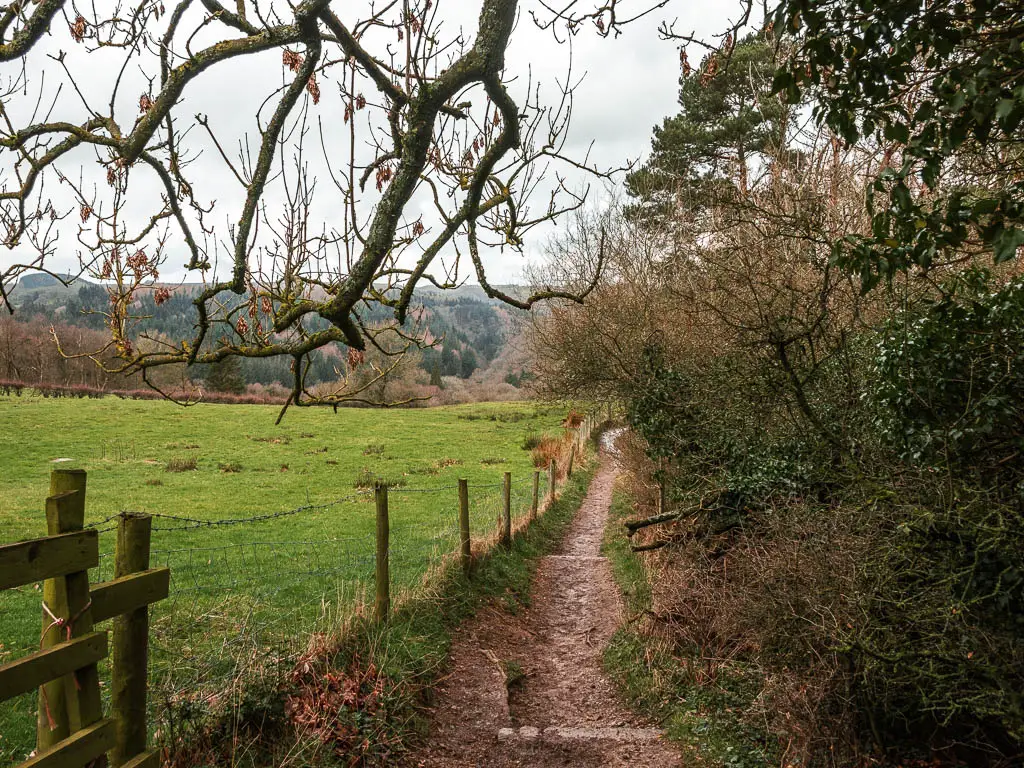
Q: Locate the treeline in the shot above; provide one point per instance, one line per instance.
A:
(469, 334)
(29, 354)
(840, 435)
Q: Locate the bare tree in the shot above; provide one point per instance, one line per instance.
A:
(412, 129)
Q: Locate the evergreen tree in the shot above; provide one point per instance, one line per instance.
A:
(226, 376)
(939, 84)
(435, 375)
(728, 118)
(449, 362)
(469, 363)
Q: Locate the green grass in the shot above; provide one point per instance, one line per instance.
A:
(243, 594)
(654, 675)
(409, 653)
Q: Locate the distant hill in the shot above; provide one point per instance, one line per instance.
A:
(38, 281)
(474, 328)
(35, 281)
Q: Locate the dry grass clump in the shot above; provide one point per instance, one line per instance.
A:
(573, 420)
(182, 464)
(550, 448)
(437, 466)
(367, 478)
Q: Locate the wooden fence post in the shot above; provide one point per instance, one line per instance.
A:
(536, 495)
(81, 689)
(505, 535)
(63, 518)
(382, 604)
(552, 479)
(466, 552)
(129, 654)
(572, 457)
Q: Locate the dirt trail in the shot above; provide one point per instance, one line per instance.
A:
(565, 712)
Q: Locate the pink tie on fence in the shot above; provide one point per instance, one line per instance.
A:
(68, 625)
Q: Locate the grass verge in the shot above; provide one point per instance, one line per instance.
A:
(358, 698)
(668, 682)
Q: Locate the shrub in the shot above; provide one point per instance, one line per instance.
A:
(949, 383)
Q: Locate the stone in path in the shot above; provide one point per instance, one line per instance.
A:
(565, 712)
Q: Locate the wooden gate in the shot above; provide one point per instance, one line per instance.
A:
(72, 731)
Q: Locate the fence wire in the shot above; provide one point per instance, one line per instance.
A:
(249, 593)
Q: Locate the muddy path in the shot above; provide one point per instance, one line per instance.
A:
(562, 711)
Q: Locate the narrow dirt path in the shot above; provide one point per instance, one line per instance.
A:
(564, 712)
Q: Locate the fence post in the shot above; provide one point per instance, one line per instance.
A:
(382, 604)
(81, 689)
(572, 457)
(129, 654)
(62, 518)
(552, 478)
(466, 553)
(536, 494)
(505, 536)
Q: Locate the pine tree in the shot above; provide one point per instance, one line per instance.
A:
(469, 363)
(226, 376)
(728, 117)
(435, 375)
(449, 362)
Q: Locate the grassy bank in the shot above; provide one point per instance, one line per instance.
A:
(697, 705)
(249, 585)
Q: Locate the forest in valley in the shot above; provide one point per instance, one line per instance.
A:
(813, 314)
(470, 349)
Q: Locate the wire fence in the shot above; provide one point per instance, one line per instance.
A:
(250, 593)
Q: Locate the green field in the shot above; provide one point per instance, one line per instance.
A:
(247, 593)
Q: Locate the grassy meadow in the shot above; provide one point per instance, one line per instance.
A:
(245, 594)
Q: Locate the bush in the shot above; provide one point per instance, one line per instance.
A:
(551, 449)
(573, 420)
(949, 380)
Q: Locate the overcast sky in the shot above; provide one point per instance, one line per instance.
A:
(628, 85)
